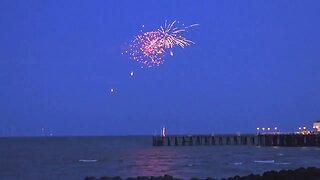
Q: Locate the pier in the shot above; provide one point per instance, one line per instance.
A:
(235, 139)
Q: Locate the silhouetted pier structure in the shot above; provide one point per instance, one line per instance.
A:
(243, 139)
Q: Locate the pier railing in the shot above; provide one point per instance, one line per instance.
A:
(234, 139)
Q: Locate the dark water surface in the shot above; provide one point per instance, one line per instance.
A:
(73, 158)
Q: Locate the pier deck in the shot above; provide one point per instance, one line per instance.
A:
(234, 139)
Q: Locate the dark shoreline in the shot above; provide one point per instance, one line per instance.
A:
(310, 173)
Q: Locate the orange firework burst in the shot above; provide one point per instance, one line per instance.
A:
(150, 47)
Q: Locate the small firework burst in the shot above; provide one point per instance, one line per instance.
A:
(150, 47)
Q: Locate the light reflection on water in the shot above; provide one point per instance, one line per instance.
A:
(217, 161)
(58, 158)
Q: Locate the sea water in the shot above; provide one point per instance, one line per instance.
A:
(73, 158)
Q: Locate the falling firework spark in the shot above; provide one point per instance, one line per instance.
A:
(150, 47)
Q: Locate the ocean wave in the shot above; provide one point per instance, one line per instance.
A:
(237, 163)
(87, 160)
(284, 163)
(264, 161)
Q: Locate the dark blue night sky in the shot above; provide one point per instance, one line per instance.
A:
(254, 64)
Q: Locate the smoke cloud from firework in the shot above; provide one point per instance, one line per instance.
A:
(151, 48)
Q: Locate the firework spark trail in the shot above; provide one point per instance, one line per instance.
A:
(170, 36)
(150, 47)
